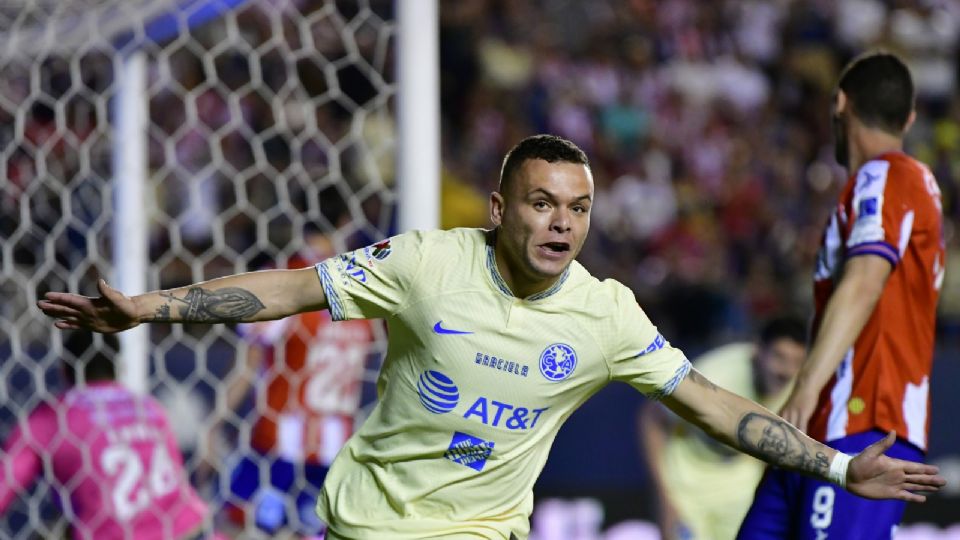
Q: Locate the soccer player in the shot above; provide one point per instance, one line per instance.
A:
(311, 369)
(704, 488)
(876, 285)
(110, 454)
(495, 337)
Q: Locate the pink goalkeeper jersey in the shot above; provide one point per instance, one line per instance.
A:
(113, 460)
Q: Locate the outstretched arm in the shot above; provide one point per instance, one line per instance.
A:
(253, 296)
(750, 428)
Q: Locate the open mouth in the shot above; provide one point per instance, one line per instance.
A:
(556, 247)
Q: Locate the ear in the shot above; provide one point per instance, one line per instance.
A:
(910, 120)
(841, 101)
(496, 208)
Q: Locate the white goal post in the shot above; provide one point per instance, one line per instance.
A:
(160, 142)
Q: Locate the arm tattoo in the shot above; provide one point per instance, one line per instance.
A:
(698, 378)
(163, 312)
(775, 441)
(229, 304)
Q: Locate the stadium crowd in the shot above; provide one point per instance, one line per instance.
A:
(706, 128)
(704, 121)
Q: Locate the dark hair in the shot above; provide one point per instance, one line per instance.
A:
(92, 354)
(549, 148)
(879, 89)
(786, 326)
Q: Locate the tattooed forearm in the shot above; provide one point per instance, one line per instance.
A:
(229, 304)
(775, 441)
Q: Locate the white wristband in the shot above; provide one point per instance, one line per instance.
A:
(838, 469)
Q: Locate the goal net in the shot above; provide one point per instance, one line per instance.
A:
(265, 119)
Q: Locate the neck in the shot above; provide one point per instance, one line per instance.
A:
(871, 143)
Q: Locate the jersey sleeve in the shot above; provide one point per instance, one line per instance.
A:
(374, 281)
(641, 356)
(882, 219)
(21, 463)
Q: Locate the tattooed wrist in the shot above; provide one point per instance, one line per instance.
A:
(229, 304)
(775, 441)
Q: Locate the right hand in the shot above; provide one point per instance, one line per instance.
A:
(874, 475)
(112, 312)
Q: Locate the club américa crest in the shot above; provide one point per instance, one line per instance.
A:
(558, 361)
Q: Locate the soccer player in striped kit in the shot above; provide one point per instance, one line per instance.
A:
(876, 286)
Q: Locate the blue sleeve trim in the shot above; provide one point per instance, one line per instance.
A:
(658, 343)
(333, 298)
(881, 249)
(673, 383)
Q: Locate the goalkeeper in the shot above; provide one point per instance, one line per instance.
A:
(496, 337)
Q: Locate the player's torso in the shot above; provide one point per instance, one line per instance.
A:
(313, 379)
(890, 360)
(122, 466)
(475, 386)
(502, 370)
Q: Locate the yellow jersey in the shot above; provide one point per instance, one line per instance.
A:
(475, 384)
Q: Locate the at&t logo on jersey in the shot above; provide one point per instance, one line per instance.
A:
(558, 361)
(438, 393)
(469, 451)
(496, 413)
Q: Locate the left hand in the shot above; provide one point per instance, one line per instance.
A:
(876, 476)
(111, 312)
(799, 407)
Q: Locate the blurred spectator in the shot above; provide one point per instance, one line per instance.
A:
(703, 487)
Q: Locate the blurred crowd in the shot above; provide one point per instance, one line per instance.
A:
(707, 124)
(708, 128)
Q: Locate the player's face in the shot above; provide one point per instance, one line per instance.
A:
(777, 363)
(543, 218)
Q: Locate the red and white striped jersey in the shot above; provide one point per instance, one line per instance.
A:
(890, 208)
(313, 377)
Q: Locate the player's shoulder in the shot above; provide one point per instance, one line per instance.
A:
(604, 296)
(889, 171)
(459, 237)
(49, 409)
(437, 241)
(45, 418)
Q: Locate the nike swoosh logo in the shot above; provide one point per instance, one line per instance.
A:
(438, 328)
